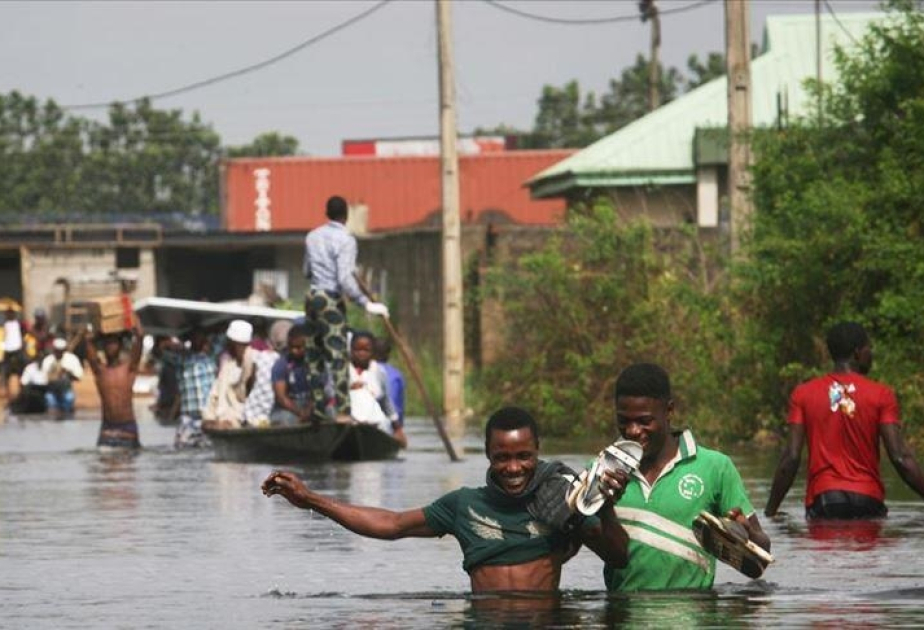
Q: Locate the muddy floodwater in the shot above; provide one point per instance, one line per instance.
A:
(173, 539)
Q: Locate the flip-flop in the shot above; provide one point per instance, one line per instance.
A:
(727, 540)
(587, 496)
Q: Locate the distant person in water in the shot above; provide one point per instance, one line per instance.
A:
(507, 542)
(843, 416)
(115, 377)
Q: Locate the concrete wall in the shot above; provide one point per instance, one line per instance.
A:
(41, 267)
(664, 206)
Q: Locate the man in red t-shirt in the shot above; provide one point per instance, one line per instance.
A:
(843, 415)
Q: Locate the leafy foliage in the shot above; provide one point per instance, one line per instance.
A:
(837, 234)
(568, 117)
(143, 163)
(598, 297)
(838, 231)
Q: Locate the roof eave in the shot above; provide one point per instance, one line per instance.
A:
(560, 183)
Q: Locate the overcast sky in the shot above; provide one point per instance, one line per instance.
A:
(375, 78)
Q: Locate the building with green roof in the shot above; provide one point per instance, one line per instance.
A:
(671, 164)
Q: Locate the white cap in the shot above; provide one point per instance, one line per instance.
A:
(240, 331)
(59, 344)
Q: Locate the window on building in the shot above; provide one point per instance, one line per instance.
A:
(128, 258)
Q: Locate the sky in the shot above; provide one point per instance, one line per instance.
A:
(373, 78)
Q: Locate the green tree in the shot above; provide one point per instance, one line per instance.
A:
(600, 295)
(700, 72)
(838, 227)
(150, 161)
(269, 144)
(42, 155)
(627, 98)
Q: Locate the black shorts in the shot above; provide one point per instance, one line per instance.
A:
(13, 363)
(846, 505)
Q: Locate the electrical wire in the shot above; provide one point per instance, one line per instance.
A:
(241, 71)
(837, 20)
(585, 21)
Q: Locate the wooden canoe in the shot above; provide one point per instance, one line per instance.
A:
(303, 444)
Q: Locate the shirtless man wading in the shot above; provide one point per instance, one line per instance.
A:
(505, 547)
(114, 380)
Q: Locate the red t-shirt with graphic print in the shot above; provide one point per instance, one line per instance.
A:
(841, 414)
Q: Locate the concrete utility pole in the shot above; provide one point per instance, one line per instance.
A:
(650, 12)
(738, 71)
(453, 331)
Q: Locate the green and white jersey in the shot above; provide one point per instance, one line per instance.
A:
(492, 529)
(663, 552)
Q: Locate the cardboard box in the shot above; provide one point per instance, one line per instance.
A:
(111, 314)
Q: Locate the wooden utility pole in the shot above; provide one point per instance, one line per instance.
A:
(649, 11)
(818, 56)
(453, 331)
(738, 71)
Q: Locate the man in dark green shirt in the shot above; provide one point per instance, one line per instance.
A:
(505, 547)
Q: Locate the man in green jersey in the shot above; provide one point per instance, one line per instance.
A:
(677, 480)
(507, 543)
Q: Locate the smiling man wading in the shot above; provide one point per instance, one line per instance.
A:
(508, 541)
(677, 479)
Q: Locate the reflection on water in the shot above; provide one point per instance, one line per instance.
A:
(167, 538)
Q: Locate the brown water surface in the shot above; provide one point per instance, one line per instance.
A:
(170, 539)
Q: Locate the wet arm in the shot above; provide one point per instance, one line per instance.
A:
(608, 539)
(902, 458)
(371, 522)
(137, 347)
(786, 469)
(92, 356)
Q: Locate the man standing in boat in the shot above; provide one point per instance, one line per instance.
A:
(843, 416)
(508, 538)
(330, 261)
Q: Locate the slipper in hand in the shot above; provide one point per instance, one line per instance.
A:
(727, 540)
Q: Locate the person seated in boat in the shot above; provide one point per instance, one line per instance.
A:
(370, 402)
(295, 388)
(261, 398)
(33, 385)
(394, 378)
(115, 379)
(224, 408)
(195, 370)
(61, 369)
(507, 541)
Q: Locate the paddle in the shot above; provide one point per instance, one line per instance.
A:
(415, 373)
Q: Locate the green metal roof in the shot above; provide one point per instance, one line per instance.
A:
(658, 148)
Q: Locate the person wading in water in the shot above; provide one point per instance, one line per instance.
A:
(114, 381)
(509, 538)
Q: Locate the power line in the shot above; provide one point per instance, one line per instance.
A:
(236, 73)
(837, 20)
(585, 21)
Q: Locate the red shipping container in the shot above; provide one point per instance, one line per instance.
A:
(290, 193)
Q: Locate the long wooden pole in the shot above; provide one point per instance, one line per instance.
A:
(453, 328)
(411, 364)
(738, 72)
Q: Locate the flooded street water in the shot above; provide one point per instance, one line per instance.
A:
(176, 539)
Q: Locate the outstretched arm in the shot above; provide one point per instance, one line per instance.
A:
(786, 469)
(901, 457)
(366, 521)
